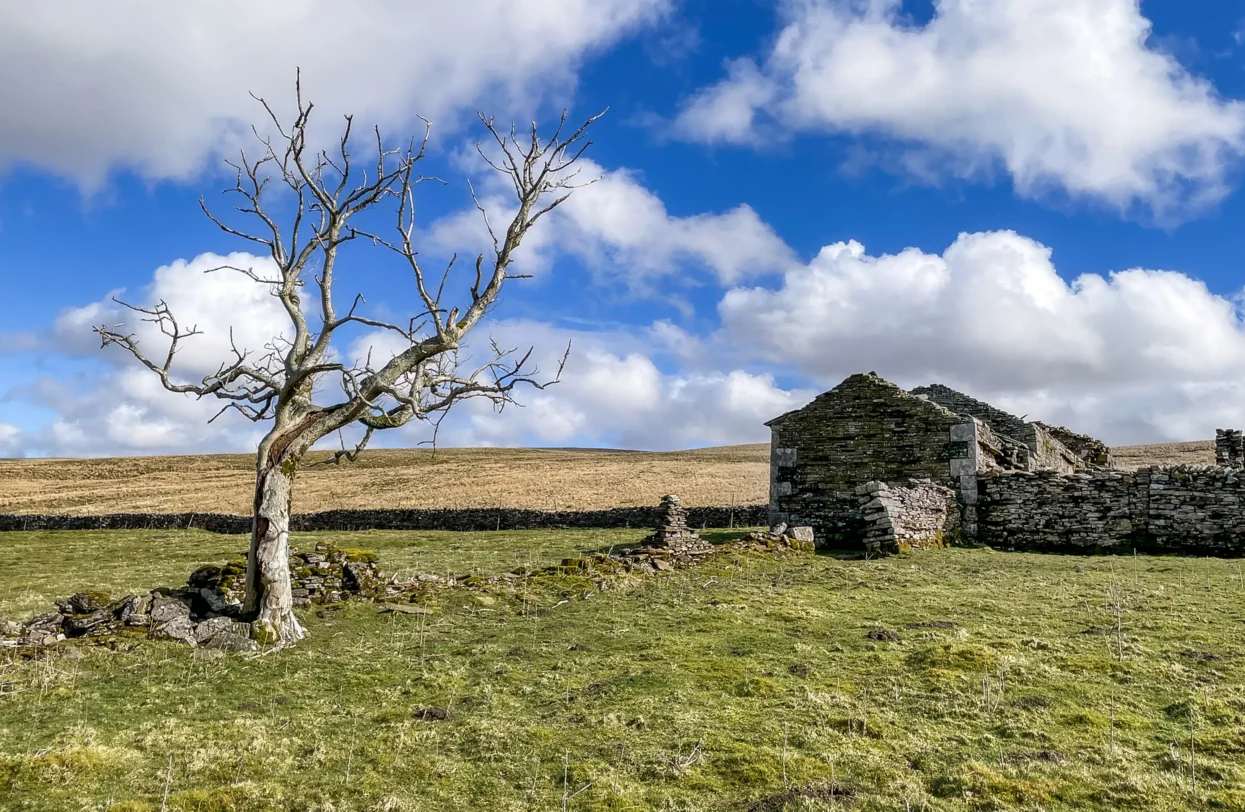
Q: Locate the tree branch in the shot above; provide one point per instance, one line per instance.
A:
(425, 379)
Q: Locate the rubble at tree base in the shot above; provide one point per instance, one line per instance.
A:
(327, 575)
(208, 612)
(186, 615)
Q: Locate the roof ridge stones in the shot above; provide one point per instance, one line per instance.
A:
(999, 421)
(876, 380)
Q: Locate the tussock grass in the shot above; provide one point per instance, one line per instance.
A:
(545, 479)
(1018, 682)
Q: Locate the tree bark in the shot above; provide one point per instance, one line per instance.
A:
(269, 600)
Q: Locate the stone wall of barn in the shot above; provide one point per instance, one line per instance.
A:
(1044, 446)
(1180, 509)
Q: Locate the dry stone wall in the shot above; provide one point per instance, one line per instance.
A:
(468, 520)
(1189, 510)
(1230, 448)
(922, 515)
(1196, 509)
(1046, 510)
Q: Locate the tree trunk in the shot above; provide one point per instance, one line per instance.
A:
(269, 599)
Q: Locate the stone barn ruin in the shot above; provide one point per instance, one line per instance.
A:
(868, 462)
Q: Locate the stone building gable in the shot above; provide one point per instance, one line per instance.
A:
(865, 429)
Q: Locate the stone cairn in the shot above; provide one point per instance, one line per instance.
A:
(672, 532)
(1229, 448)
(672, 543)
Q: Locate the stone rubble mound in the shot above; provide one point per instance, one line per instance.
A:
(778, 537)
(671, 546)
(326, 575)
(206, 612)
(651, 558)
(189, 615)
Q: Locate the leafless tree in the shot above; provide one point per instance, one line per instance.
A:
(329, 190)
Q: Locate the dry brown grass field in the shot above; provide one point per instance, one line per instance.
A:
(546, 479)
(1131, 457)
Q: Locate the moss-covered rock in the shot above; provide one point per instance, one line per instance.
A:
(358, 556)
(86, 602)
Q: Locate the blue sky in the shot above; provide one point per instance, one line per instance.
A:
(1038, 201)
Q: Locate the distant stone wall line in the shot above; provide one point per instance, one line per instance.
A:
(453, 519)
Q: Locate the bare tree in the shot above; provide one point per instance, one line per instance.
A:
(421, 382)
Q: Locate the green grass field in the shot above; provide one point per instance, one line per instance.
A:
(748, 684)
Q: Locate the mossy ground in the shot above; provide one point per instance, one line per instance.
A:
(748, 683)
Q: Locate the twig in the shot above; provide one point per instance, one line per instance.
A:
(168, 781)
(1192, 752)
(567, 795)
(785, 783)
(1111, 730)
(692, 757)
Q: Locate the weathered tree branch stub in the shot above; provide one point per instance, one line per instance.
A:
(422, 381)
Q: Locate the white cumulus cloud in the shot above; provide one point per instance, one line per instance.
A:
(215, 302)
(158, 88)
(620, 388)
(1070, 95)
(1137, 355)
(614, 391)
(624, 231)
(120, 407)
(10, 440)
